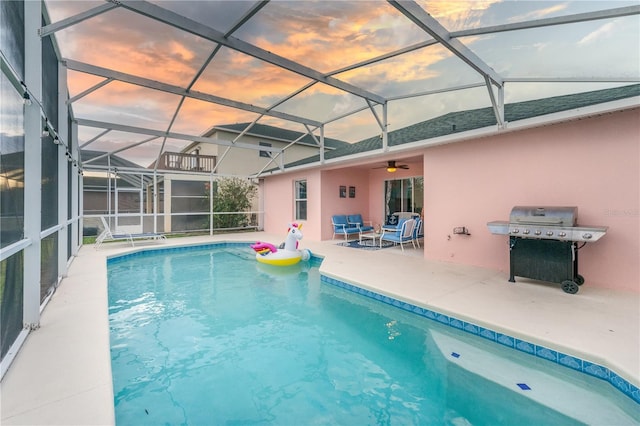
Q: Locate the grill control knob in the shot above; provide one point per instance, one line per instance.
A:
(549, 233)
(562, 234)
(526, 231)
(515, 231)
(538, 232)
(587, 236)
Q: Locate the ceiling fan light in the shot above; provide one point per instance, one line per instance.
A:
(391, 169)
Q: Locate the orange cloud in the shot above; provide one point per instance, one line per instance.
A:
(344, 34)
(238, 76)
(540, 13)
(457, 14)
(126, 42)
(154, 51)
(197, 116)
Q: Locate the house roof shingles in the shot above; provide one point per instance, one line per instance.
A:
(461, 121)
(116, 161)
(263, 130)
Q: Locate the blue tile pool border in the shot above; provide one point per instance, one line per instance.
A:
(569, 361)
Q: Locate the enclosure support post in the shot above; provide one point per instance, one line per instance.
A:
(63, 173)
(109, 190)
(155, 197)
(33, 128)
(322, 144)
(211, 203)
(77, 213)
(167, 204)
(385, 127)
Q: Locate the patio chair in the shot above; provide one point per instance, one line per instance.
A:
(341, 226)
(402, 234)
(356, 220)
(418, 231)
(125, 233)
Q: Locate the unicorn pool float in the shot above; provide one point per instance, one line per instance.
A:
(287, 254)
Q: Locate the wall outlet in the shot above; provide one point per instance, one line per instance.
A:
(461, 230)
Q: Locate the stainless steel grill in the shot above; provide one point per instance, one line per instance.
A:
(543, 243)
(551, 223)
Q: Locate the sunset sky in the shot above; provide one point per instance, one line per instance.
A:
(327, 36)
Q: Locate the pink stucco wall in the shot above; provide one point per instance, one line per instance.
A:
(333, 204)
(590, 163)
(279, 203)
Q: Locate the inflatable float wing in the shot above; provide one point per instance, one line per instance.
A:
(263, 248)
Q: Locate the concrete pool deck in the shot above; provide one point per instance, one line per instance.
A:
(62, 375)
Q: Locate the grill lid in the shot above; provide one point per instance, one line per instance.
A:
(544, 216)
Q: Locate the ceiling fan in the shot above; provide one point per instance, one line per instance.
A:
(392, 166)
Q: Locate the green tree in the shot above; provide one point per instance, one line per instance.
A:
(232, 195)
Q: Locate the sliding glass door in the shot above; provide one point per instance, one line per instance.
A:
(404, 195)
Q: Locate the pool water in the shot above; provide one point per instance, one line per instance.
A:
(210, 336)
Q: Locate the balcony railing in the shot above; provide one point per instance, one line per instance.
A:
(187, 162)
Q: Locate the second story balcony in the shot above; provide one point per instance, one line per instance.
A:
(187, 162)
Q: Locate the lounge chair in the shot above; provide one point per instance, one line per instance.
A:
(356, 220)
(401, 235)
(341, 226)
(125, 233)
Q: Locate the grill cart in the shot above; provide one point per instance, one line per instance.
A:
(543, 244)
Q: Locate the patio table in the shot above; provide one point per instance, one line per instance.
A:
(369, 238)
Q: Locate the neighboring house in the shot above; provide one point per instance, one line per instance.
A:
(185, 192)
(131, 196)
(241, 161)
(183, 185)
(576, 150)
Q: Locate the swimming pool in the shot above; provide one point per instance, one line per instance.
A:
(206, 335)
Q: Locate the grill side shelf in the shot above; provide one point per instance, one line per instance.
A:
(498, 227)
(588, 233)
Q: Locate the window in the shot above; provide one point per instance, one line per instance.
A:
(189, 196)
(266, 154)
(300, 195)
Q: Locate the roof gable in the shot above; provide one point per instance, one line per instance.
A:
(277, 133)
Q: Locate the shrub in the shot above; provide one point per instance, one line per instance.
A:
(232, 195)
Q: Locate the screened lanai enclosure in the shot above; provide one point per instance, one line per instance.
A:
(173, 202)
(141, 111)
